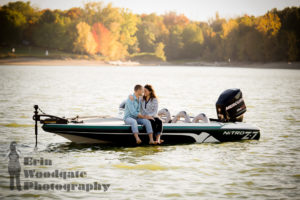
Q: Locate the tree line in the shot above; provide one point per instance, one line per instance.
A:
(117, 33)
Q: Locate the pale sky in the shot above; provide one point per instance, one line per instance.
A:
(200, 10)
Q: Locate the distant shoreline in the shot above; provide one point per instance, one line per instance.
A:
(33, 61)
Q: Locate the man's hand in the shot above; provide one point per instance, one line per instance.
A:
(145, 117)
(141, 116)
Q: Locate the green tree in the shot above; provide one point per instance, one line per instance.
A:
(290, 20)
(174, 45)
(192, 38)
(12, 24)
(128, 29)
(293, 50)
(192, 33)
(217, 23)
(159, 51)
(48, 16)
(31, 14)
(53, 31)
(146, 37)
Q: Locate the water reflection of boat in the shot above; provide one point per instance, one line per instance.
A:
(228, 127)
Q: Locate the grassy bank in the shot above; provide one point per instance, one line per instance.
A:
(36, 52)
(36, 56)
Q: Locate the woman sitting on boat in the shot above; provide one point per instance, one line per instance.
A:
(149, 107)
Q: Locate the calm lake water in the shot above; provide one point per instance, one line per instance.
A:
(264, 169)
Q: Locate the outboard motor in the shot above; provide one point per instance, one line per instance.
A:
(231, 106)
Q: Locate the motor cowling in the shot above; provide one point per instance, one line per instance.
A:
(231, 106)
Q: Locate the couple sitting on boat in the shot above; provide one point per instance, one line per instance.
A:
(142, 109)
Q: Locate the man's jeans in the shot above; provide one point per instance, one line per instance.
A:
(134, 124)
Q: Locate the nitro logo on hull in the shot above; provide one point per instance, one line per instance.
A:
(247, 135)
(235, 132)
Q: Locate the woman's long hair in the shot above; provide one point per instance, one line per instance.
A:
(151, 90)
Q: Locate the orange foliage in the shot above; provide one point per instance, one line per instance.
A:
(107, 43)
(103, 38)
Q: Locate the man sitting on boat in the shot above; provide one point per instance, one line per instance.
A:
(149, 107)
(133, 117)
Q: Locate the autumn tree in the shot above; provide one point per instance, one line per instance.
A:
(74, 13)
(228, 27)
(269, 24)
(172, 19)
(107, 43)
(85, 42)
(103, 39)
(115, 33)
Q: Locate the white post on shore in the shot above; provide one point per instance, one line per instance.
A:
(46, 53)
(13, 50)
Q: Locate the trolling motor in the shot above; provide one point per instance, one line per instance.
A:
(50, 119)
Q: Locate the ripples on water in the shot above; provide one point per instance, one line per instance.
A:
(265, 169)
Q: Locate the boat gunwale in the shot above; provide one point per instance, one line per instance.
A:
(165, 126)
